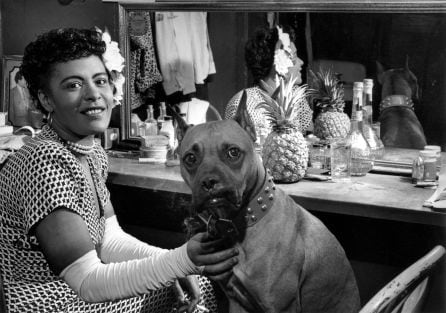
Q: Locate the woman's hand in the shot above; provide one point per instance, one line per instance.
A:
(189, 285)
(215, 263)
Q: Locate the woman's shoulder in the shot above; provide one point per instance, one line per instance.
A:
(253, 98)
(38, 149)
(253, 93)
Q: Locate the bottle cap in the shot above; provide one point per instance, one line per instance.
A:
(368, 82)
(433, 148)
(358, 85)
(428, 153)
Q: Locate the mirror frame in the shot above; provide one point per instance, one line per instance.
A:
(335, 6)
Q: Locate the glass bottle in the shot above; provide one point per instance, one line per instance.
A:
(357, 106)
(417, 170)
(361, 162)
(134, 125)
(162, 115)
(375, 143)
(168, 130)
(151, 125)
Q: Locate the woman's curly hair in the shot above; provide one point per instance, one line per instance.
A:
(57, 46)
(259, 51)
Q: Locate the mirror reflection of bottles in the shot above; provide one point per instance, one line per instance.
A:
(375, 143)
(135, 125)
(150, 124)
(361, 160)
(162, 114)
(168, 130)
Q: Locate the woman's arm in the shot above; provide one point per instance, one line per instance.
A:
(118, 246)
(67, 246)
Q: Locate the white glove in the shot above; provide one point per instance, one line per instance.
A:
(118, 246)
(94, 281)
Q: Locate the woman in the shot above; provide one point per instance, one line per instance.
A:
(269, 55)
(62, 249)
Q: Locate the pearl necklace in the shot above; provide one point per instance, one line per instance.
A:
(78, 148)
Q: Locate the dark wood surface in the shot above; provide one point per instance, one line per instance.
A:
(387, 197)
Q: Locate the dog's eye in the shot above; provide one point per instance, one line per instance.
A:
(189, 159)
(234, 153)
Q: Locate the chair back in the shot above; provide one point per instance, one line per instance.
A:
(3, 308)
(406, 292)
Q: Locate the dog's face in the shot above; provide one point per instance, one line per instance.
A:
(218, 162)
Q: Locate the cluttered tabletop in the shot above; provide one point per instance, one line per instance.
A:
(375, 195)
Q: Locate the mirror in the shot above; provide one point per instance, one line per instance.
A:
(376, 36)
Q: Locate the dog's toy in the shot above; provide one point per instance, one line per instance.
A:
(216, 227)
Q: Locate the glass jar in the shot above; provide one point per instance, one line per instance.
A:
(437, 150)
(429, 158)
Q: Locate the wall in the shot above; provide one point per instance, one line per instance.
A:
(23, 20)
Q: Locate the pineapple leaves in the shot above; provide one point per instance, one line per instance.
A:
(283, 104)
(327, 90)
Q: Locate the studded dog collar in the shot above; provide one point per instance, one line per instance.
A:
(259, 206)
(396, 101)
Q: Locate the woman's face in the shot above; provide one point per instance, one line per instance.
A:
(296, 69)
(80, 98)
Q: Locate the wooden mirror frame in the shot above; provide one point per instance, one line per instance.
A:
(394, 163)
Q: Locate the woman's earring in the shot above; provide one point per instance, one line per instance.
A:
(49, 118)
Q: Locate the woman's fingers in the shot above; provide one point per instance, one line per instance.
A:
(215, 258)
(179, 293)
(223, 277)
(220, 267)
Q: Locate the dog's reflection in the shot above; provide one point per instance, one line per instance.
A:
(400, 126)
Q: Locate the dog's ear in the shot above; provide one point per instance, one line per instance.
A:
(412, 80)
(406, 66)
(243, 119)
(380, 72)
(182, 126)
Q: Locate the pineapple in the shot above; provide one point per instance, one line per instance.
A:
(328, 95)
(285, 151)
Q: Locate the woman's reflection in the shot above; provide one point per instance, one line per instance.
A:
(269, 53)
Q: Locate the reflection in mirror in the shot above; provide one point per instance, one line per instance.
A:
(409, 102)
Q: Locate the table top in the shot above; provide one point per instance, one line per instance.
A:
(388, 197)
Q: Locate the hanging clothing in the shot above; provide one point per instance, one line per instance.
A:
(184, 51)
(195, 111)
(201, 48)
(144, 72)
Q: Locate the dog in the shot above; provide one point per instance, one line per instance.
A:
(400, 126)
(288, 260)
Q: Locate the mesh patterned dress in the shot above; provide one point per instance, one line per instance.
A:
(40, 177)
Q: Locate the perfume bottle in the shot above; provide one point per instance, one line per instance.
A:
(150, 124)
